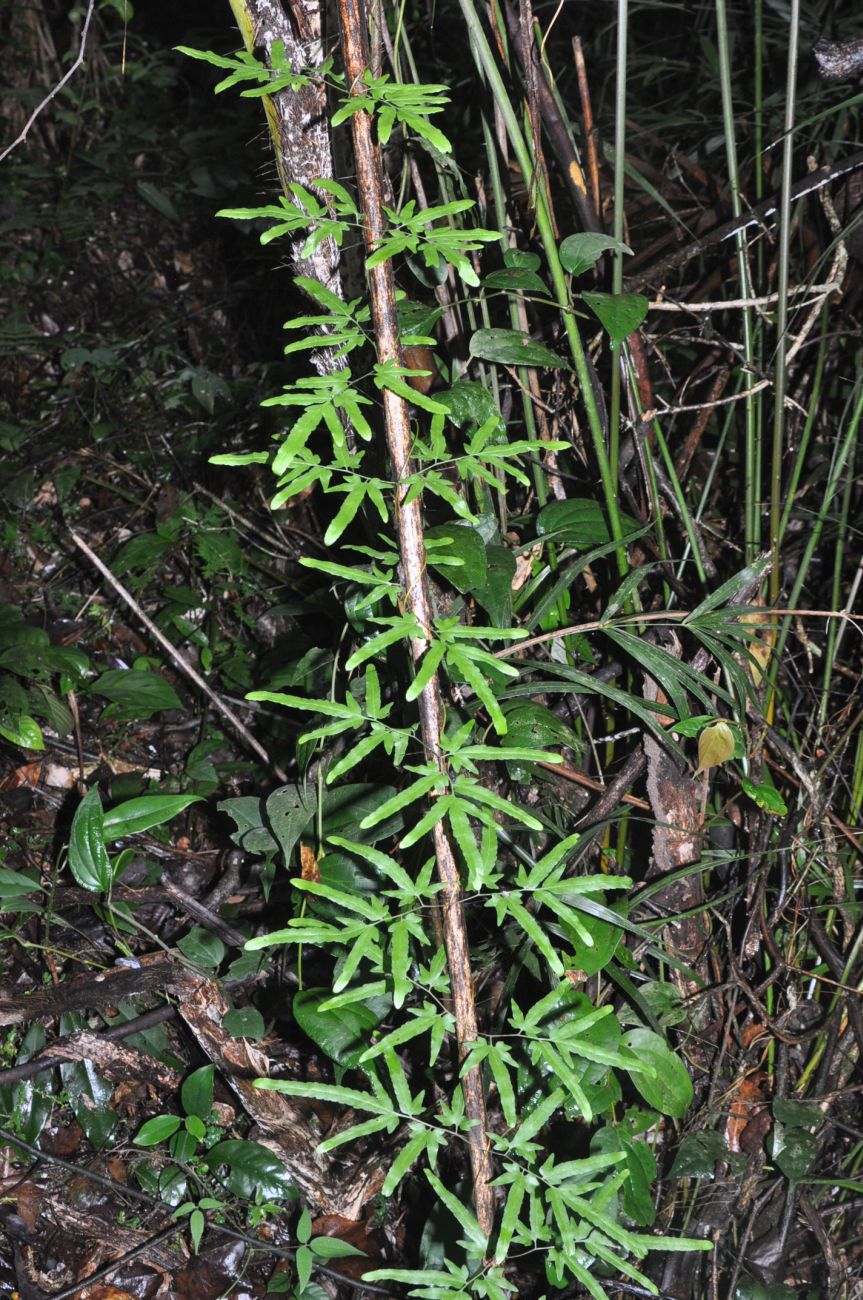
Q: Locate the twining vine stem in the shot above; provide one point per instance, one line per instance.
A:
(409, 524)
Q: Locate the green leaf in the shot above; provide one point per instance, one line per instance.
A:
(538, 1118)
(793, 1151)
(247, 812)
(195, 1127)
(370, 908)
(197, 1223)
(347, 805)
(403, 799)
(290, 810)
(494, 595)
(466, 547)
(333, 1248)
(356, 1131)
(499, 1061)
(329, 1092)
(766, 796)
(346, 512)
(513, 348)
(24, 731)
(578, 253)
(565, 1074)
(670, 1092)
(196, 1093)
(399, 629)
(640, 1165)
(413, 1028)
(158, 200)
(488, 798)
(137, 815)
(619, 314)
(594, 957)
(400, 956)
(471, 403)
(463, 1217)
(88, 857)
(202, 949)
(427, 668)
(728, 590)
(135, 695)
(577, 522)
(514, 278)
(690, 727)
(797, 1114)
(423, 1140)
(245, 1022)
(534, 931)
(748, 1289)
(157, 1130)
(252, 1168)
(465, 663)
(15, 884)
(87, 1092)
(343, 1035)
(381, 862)
(698, 1155)
(533, 726)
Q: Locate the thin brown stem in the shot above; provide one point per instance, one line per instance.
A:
(178, 660)
(409, 523)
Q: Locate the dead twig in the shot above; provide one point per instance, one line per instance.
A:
(67, 76)
(203, 915)
(56, 1054)
(762, 215)
(179, 662)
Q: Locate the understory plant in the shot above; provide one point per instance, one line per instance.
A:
(495, 1019)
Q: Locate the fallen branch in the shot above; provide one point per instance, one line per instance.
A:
(67, 76)
(179, 662)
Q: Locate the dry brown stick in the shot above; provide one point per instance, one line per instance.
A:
(179, 661)
(539, 95)
(699, 424)
(55, 90)
(53, 1055)
(83, 992)
(412, 551)
(612, 794)
(217, 925)
(764, 214)
(590, 131)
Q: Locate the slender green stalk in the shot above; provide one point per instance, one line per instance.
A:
(842, 453)
(489, 67)
(780, 375)
(617, 271)
(751, 455)
(814, 404)
(758, 100)
(680, 498)
(835, 628)
(856, 800)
